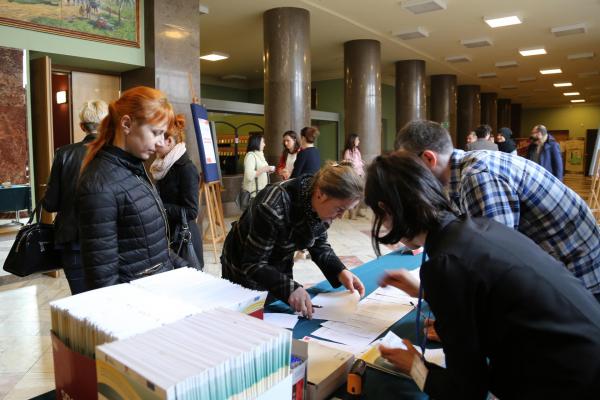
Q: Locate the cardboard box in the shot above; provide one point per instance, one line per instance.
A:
(327, 370)
(74, 373)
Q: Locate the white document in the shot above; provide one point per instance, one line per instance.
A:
(335, 306)
(394, 341)
(281, 320)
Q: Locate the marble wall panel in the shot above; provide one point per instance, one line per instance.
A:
(14, 157)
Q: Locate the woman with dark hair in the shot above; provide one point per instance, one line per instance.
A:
(178, 181)
(512, 320)
(352, 154)
(291, 215)
(123, 228)
(291, 147)
(308, 160)
(256, 168)
(504, 141)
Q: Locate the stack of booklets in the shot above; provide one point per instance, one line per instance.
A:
(116, 312)
(219, 354)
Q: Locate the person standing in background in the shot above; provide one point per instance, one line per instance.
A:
(545, 150)
(483, 133)
(504, 141)
(291, 147)
(256, 168)
(61, 187)
(308, 160)
(352, 154)
(178, 181)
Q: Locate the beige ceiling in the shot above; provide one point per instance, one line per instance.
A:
(235, 27)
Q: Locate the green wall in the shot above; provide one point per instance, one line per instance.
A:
(84, 53)
(576, 118)
(388, 115)
(223, 93)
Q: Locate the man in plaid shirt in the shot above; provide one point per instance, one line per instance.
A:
(515, 192)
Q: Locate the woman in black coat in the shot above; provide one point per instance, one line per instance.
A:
(177, 180)
(512, 320)
(123, 228)
(308, 160)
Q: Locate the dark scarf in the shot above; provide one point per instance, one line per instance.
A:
(509, 145)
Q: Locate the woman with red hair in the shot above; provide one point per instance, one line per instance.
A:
(123, 227)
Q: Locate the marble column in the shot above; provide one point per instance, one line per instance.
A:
(410, 92)
(489, 110)
(515, 120)
(362, 94)
(286, 58)
(503, 113)
(443, 102)
(468, 112)
(172, 63)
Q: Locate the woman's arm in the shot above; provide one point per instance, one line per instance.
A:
(299, 165)
(189, 183)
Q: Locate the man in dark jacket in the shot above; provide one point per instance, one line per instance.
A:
(545, 150)
(60, 193)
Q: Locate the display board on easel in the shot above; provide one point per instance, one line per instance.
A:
(210, 189)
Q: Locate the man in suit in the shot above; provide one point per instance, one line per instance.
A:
(483, 142)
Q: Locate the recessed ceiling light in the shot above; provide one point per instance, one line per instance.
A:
(411, 33)
(563, 84)
(569, 30)
(551, 71)
(480, 42)
(503, 21)
(581, 56)
(506, 64)
(578, 101)
(532, 52)
(508, 87)
(423, 6)
(487, 75)
(588, 74)
(571, 93)
(215, 56)
(457, 59)
(527, 79)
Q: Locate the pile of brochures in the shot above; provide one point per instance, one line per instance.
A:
(219, 354)
(116, 312)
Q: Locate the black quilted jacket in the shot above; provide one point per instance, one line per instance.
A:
(122, 224)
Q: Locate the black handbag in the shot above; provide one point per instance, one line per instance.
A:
(33, 250)
(184, 246)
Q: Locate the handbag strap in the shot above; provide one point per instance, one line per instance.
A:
(184, 223)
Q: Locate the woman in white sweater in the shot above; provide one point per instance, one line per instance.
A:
(256, 168)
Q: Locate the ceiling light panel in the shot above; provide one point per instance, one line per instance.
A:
(527, 79)
(578, 101)
(215, 56)
(534, 51)
(503, 21)
(506, 64)
(423, 6)
(563, 84)
(550, 71)
(458, 59)
(411, 33)
(480, 42)
(569, 30)
(581, 56)
(486, 75)
(571, 94)
(508, 87)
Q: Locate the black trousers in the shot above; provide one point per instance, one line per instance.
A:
(71, 263)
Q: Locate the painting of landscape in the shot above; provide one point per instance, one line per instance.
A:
(112, 21)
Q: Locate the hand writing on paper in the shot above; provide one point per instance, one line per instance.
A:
(351, 282)
(401, 359)
(300, 302)
(401, 279)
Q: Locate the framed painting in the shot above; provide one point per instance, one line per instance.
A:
(110, 21)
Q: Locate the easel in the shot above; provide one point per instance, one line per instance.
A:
(215, 231)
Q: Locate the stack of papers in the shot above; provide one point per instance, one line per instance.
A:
(370, 318)
(219, 354)
(116, 312)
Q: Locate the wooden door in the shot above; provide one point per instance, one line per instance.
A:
(41, 126)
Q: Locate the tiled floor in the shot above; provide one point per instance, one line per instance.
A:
(26, 367)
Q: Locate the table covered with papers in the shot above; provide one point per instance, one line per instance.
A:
(378, 385)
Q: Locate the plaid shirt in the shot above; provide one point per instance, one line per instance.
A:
(259, 250)
(519, 193)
